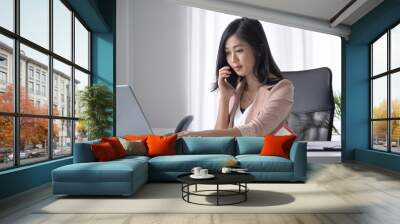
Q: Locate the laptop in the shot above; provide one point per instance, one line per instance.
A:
(130, 117)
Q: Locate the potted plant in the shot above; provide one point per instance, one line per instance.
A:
(338, 110)
(96, 102)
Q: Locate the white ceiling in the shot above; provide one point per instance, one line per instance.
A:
(315, 15)
(320, 9)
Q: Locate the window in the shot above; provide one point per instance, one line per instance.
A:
(3, 78)
(35, 22)
(3, 72)
(43, 90)
(62, 74)
(33, 149)
(7, 14)
(55, 102)
(81, 81)
(81, 45)
(385, 97)
(7, 141)
(62, 140)
(37, 75)
(3, 61)
(54, 126)
(62, 29)
(38, 89)
(30, 87)
(30, 72)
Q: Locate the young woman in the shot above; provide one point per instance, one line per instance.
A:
(254, 98)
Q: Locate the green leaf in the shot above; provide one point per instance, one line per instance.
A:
(96, 102)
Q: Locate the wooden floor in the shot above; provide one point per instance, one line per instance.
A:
(379, 189)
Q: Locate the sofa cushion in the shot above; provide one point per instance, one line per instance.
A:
(161, 145)
(103, 152)
(206, 145)
(111, 171)
(249, 145)
(134, 147)
(277, 145)
(185, 163)
(257, 163)
(116, 145)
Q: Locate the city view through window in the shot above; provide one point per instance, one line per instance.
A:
(385, 82)
(40, 83)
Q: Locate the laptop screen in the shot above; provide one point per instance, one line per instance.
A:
(130, 117)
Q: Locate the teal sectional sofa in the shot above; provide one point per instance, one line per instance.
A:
(125, 176)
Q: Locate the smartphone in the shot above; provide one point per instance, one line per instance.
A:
(232, 79)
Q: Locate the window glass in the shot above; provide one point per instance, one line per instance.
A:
(39, 62)
(34, 81)
(6, 142)
(379, 98)
(81, 45)
(7, 14)
(395, 136)
(81, 131)
(62, 138)
(379, 135)
(6, 74)
(62, 94)
(395, 47)
(33, 140)
(395, 95)
(81, 81)
(34, 21)
(379, 55)
(62, 29)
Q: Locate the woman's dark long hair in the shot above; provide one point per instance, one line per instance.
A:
(251, 31)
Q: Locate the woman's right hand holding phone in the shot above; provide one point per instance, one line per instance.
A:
(225, 87)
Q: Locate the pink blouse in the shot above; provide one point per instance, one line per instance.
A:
(269, 111)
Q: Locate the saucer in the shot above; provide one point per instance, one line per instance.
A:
(240, 171)
(208, 176)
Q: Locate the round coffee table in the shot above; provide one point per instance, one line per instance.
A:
(238, 179)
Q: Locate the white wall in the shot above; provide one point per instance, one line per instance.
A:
(151, 57)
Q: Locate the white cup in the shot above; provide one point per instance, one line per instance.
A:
(196, 170)
(203, 172)
(226, 170)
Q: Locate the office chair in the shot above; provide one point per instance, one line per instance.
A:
(313, 110)
(183, 125)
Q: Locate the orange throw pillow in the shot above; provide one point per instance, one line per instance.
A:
(116, 145)
(103, 151)
(161, 145)
(277, 145)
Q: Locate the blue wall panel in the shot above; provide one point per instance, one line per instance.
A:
(377, 158)
(24, 178)
(356, 75)
(103, 59)
(103, 63)
(357, 100)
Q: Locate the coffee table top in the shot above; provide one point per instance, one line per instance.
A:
(220, 178)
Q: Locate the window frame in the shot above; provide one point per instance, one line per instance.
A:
(16, 114)
(388, 74)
